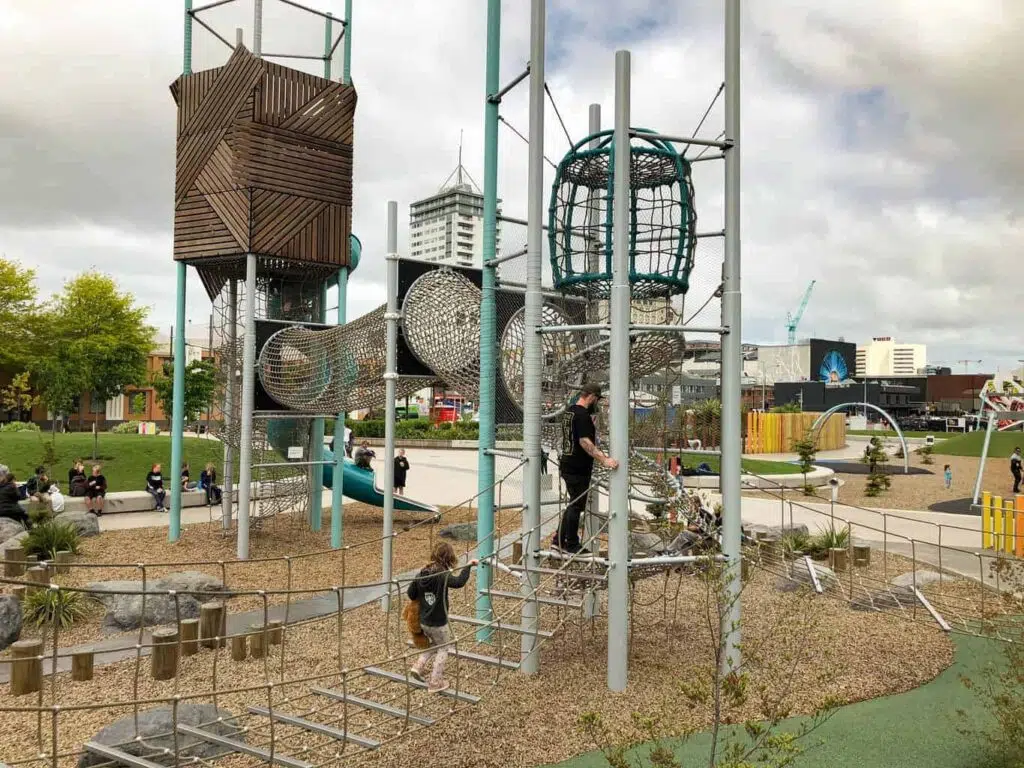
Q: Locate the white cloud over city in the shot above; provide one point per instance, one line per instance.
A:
(880, 148)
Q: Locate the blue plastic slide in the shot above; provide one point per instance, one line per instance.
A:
(360, 485)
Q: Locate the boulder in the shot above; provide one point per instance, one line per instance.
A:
(684, 542)
(776, 530)
(10, 528)
(646, 543)
(156, 734)
(886, 600)
(10, 620)
(125, 611)
(13, 542)
(908, 580)
(459, 532)
(86, 523)
(799, 576)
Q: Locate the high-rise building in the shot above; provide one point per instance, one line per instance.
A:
(448, 226)
(882, 356)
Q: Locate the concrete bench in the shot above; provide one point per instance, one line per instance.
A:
(134, 501)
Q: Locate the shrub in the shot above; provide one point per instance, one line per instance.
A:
(826, 539)
(51, 537)
(38, 512)
(44, 606)
(925, 452)
(19, 426)
(125, 428)
(796, 541)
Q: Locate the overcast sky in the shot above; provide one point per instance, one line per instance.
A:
(881, 147)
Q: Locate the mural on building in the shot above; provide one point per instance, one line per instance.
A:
(834, 369)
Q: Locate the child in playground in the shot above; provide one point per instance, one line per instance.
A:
(401, 468)
(186, 478)
(155, 487)
(76, 479)
(208, 483)
(95, 491)
(947, 473)
(430, 590)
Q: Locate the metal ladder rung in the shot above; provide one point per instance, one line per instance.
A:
(496, 625)
(450, 693)
(557, 572)
(480, 658)
(309, 725)
(241, 746)
(376, 706)
(540, 598)
(119, 756)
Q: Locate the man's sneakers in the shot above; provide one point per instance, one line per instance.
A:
(437, 687)
(416, 675)
(573, 549)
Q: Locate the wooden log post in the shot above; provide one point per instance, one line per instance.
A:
(211, 623)
(239, 647)
(771, 550)
(64, 560)
(26, 667)
(745, 568)
(32, 558)
(258, 642)
(862, 555)
(838, 559)
(276, 631)
(38, 574)
(14, 565)
(82, 665)
(164, 653)
(517, 551)
(188, 631)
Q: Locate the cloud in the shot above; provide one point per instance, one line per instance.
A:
(879, 149)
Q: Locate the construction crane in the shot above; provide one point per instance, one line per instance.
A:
(792, 321)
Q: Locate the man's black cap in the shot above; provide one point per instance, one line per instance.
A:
(592, 389)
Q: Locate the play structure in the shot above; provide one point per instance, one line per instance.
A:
(1002, 402)
(1002, 524)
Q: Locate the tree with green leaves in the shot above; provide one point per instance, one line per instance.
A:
(19, 314)
(200, 385)
(17, 396)
(101, 332)
(807, 449)
(791, 407)
(875, 456)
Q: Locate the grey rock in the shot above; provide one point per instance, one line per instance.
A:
(126, 611)
(908, 580)
(156, 732)
(10, 620)
(10, 528)
(776, 530)
(14, 542)
(895, 598)
(459, 531)
(86, 523)
(684, 542)
(648, 543)
(800, 575)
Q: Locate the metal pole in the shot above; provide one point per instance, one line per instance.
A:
(732, 351)
(328, 34)
(227, 483)
(245, 416)
(338, 478)
(618, 389)
(316, 442)
(178, 408)
(389, 396)
(257, 28)
(591, 526)
(532, 371)
(209, 356)
(186, 63)
(984, 457)
(488, 325)
(346, 66)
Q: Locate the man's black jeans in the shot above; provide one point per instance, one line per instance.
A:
(577, 487)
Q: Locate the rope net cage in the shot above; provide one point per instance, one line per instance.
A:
(663, 220)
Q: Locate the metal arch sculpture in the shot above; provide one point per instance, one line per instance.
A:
(899, 432)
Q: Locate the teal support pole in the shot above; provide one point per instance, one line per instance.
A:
(178, 410)
(316, 444)
(338, 488)
(488, 324)
(346, 67)
(328, 34)
(186, 64)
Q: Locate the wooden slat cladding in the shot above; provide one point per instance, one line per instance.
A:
(264, 165)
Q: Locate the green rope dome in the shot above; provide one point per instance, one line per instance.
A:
(662, 218)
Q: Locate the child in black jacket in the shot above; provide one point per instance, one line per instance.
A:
(430, 589)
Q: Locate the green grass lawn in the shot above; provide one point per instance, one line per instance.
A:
(753, 466)
(890, 433)
(916, 729)
(970, 444)
(125, 458)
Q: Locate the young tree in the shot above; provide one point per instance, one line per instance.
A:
(807, 449)
(17, 396)
(875, 456)
(791, 407)
(102, 332)
(19, 312)
(200, 384)
(59, 379)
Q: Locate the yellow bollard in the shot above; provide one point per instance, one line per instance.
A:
(1020, 526)
(986, 520)
(1009, 525)
(997, 523)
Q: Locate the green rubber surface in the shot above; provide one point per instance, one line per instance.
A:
(917, 729)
